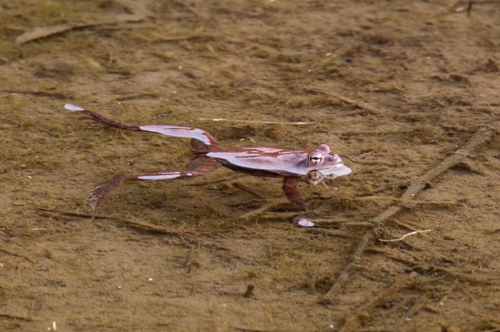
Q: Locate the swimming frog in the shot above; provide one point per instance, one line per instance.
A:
(315, 165)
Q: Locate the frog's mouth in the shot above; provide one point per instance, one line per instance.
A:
(317, 176)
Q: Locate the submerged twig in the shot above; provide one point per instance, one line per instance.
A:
(198, 33)
(404, 236)
(248, 189)
(360, 104)
(482, 136)
(7, 251)
(255, 121)
(262, 209)
(139, 12)
(16, 317)
(400, 200)
(155, 229)
(56, 95)
(397, 256)
(279, 215)
(406, 225)
(219, 210)
(139, 225)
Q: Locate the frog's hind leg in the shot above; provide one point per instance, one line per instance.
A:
(201, 141)
(95, 119)
(202, 166)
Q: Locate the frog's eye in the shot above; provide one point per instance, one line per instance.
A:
(316, 158)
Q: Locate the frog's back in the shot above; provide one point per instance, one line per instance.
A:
(273, 160)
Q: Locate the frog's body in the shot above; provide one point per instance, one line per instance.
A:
(276, 161)
(316, 164)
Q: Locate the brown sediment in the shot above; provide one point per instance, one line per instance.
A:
(397, 89)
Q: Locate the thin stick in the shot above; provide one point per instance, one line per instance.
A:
(481, 137)
(404, 236)
(255, 121)
(131, 223)
(155, 229)
(138, 9)
(7, 251)
(262, 209)
(279, 215)
(16, 317)
(219, 210)
(248, 189)
(394, 199)
(359, 104)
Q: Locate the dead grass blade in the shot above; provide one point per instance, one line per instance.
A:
(138, 10)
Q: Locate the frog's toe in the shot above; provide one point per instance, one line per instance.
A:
(95, 198)
(97, 195)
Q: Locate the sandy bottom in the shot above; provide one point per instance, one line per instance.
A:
(407, 92)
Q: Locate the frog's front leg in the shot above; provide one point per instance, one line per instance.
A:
(292, 190)
(198, 166)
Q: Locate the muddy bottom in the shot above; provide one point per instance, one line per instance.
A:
(405, 92)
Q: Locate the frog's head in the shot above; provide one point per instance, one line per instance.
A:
(324, 165)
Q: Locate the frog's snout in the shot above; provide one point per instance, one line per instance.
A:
(317, 176)
(314, 177)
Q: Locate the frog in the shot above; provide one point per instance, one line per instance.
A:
(314, 165)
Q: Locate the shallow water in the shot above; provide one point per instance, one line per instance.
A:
(393, 87)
